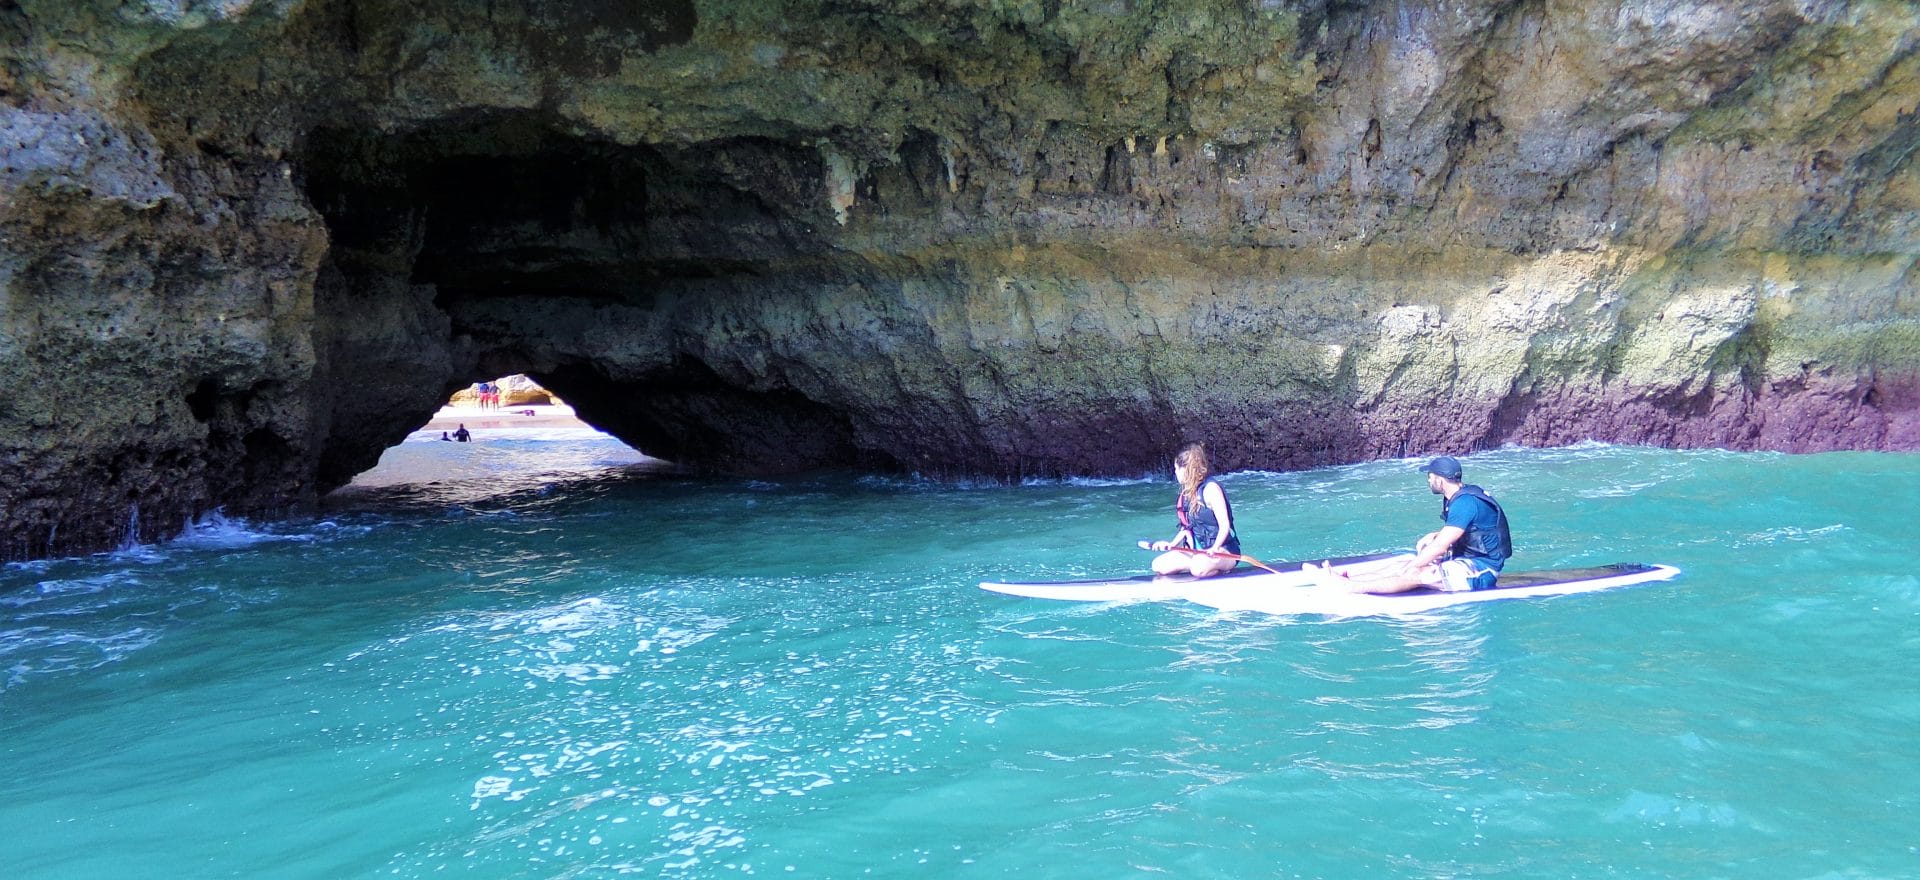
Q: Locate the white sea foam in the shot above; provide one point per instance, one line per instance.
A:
(217, 531)
(1092, 482)
(1617, 490)
(1793, 534)
(491, 786)
(578, 672)
(585, 614)
(39, 650)
(65, 587)
(211, 531)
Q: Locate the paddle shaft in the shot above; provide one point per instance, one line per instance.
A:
(1145, 545)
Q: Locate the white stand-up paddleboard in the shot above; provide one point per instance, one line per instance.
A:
(1296, 592)
(1334, 601)
(1165, 587)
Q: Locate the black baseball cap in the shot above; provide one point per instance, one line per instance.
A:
(1444, 467)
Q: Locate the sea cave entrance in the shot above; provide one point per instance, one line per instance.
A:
(494, 435)
(640, 285)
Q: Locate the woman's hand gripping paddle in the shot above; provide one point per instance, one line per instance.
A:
(1148, 545)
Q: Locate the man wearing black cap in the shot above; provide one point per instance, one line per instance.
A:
(1466, 554)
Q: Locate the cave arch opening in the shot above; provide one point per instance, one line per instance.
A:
(501, 244)
(494, 436)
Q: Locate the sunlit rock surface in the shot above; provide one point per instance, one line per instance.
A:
(244, 246)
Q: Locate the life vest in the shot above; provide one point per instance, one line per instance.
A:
(1201, 521)
(1474, 542)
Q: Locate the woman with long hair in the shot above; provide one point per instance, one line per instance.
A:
(1206, 522)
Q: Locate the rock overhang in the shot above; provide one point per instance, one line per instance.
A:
(984, 238)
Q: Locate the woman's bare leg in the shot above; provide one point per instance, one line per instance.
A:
(1172, 562)
(1208, 566)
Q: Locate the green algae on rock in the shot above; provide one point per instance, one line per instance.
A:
(246, 245)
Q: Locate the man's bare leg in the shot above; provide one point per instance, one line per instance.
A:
(1391, 581)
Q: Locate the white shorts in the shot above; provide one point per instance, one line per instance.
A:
(1456, 576)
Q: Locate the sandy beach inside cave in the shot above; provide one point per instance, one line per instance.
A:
(550, 441)
(546, 416)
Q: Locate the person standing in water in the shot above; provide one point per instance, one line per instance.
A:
(1206, 521)
(1466, 554)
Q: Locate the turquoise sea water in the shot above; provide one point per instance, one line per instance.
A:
(596, 669)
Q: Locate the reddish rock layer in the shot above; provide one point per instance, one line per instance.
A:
(244, 246)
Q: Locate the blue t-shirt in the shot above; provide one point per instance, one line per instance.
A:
(1473, 515)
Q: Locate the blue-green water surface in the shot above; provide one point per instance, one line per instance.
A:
(590, 669)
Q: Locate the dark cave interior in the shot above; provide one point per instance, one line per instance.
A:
(487, 228)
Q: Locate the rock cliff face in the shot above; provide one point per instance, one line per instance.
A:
(245, 245)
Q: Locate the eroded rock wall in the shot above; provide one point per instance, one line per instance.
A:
(244, 246)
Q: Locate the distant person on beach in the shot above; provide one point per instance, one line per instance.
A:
(460, 434)
(1206, 522)
(1466, 554)
(443, 436)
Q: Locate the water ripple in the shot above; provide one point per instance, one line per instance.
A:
(520, 687)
